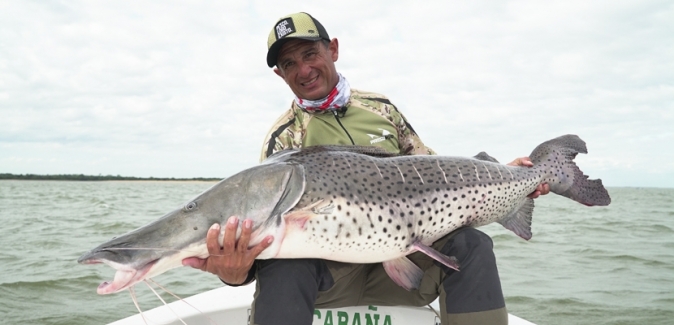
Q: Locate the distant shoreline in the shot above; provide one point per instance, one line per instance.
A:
(82, 177)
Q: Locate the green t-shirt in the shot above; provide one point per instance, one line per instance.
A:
(369, 120)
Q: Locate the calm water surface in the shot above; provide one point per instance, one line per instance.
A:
(600, 265)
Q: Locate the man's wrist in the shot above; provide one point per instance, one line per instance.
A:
(249, 278)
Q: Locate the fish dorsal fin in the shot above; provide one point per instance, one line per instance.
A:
(484, 156)
(365, 150)
(519, 219)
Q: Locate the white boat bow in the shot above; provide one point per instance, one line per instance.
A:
(231, 306)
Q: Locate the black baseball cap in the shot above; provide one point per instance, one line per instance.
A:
(295, 26)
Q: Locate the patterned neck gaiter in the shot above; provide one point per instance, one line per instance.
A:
(338, 97)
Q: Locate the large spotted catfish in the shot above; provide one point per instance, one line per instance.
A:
(353, 204)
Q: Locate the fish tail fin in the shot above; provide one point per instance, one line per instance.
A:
(564, 177)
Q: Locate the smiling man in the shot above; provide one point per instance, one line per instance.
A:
(309, 68)
(325, 111)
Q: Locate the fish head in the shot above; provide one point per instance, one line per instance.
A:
(158, 246)
(263, 194)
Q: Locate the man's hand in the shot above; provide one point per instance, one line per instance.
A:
(542, 189)
(232, 261)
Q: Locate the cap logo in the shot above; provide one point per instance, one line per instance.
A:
(284, 27)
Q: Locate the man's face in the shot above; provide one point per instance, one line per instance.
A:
(308, 67)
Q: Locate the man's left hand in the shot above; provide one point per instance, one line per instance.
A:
(542, 189)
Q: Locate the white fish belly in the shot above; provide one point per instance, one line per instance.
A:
(342, 238)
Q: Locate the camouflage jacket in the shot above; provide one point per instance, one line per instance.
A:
(369, 119)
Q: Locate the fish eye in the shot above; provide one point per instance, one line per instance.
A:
(190, 206)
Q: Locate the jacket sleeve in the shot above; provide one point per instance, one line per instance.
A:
(280, 136)
(409, 140)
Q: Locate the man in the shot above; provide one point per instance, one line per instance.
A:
(327, 111)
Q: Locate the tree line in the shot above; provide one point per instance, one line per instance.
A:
(82, 177)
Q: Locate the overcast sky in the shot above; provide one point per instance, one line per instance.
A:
(181, 88)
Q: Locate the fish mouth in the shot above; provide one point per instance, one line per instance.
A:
(135, 269)
(125, 277)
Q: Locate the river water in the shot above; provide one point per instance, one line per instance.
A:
(599, 265)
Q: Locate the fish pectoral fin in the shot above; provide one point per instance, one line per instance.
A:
(319, 207)
(298, 219)
(312, 206)
(519, 220)
(404, 273)
(449, 261)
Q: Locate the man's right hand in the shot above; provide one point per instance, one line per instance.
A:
(233, 260)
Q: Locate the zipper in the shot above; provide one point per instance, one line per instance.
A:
(334, 112)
